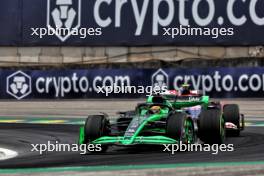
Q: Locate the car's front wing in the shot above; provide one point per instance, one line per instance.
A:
(120, 140)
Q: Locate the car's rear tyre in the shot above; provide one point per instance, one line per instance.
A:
(211, 128)
(95, 127)
(180, 128)
(231, 114)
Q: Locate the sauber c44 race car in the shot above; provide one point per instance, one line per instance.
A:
(168, 118)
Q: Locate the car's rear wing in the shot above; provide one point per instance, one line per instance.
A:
(180, 101)
(189, 101)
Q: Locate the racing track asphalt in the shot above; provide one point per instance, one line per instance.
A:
(248, 147)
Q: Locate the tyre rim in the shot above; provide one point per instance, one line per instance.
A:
(188, 132)
(222, 128)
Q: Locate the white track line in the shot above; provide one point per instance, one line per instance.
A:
(7, 154)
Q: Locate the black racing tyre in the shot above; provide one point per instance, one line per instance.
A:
(180, 128)
(96, 126)
(231, 114)
(211, 127)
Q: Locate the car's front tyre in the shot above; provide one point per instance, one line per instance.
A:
(180, 128)
(95, 127)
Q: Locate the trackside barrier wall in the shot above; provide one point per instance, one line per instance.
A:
(132, 22)
(104, 83)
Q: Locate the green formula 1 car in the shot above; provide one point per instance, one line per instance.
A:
(164, 119)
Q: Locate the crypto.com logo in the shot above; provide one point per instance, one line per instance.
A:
(160, 79)
(18, 85)
(64, 14)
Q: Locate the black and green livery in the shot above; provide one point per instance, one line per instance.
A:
(171, 125)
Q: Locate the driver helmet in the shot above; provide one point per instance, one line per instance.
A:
(185, 89)
(155, 109)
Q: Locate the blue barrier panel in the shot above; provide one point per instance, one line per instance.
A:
(10, 22)
(131, 22)
(128, 83)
